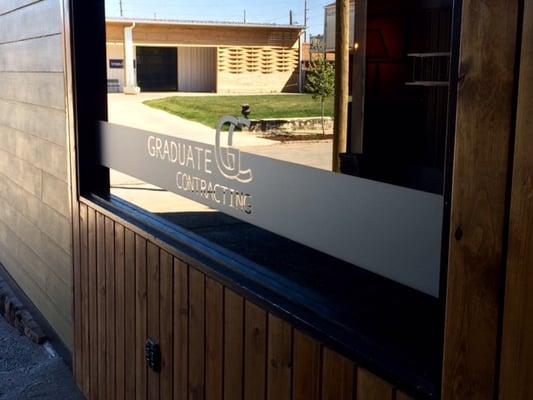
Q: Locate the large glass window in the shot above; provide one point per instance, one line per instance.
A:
(236, 109)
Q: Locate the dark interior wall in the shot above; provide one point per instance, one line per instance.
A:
(405, 120)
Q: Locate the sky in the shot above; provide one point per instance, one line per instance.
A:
(271, 11)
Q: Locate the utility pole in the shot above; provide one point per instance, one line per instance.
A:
(305, 20)
(121, 8)
(244, 16)
(342, 54)
(290, 17)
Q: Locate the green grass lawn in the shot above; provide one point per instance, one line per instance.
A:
(209, 109)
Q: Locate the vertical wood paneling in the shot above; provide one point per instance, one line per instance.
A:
(110, 306)
(338, 377)
(254, 352)
(166, 324)
(279, 363)
(84, 299)
(307, 368)
(119, 311)
(153, 278)
(140, 317)
(101, 304)
(233, 345)
(370, 387)
(79, 360)
(214, 336)
(516, 369)
(93, 304)
(196, 334)
(181, 329)
(129, 314)
(214, 343)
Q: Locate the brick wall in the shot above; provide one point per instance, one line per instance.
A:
(35, 230)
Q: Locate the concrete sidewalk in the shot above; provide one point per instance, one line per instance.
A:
(129, 110)
(29, 371)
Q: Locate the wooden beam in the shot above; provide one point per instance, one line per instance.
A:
(479, 195)
(342, 54)
(358, 77)
(516, 370)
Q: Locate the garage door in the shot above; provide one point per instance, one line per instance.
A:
(196, 69)
(157, 69)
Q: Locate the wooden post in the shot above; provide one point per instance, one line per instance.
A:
(342, 54)
(516, 369)
(484, 124)
(358, 77)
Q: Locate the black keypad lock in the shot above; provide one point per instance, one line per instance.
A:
(153, 355)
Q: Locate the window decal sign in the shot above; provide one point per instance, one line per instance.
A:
(389, 230)
(116, 63)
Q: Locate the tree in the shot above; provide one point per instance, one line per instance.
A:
(321, 83)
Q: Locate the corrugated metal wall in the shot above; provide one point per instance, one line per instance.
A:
(196, 69)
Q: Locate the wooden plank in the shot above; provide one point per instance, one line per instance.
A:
(101, 304)
(516, 370)
(35, 55)
(39, 20)
(166, 321)
(153, 277)
(255, 350)
(402, 396)
(119, 312)
(478, 207)
(93, 303)
(141, 370)
(85, 378)
(370, 387)
(279, 359)
(78, 355)
(233, 345)
(214, 320)
(196, 334)
(181, 329)
(338, 377)
(129, 314)
(10, 5)
(110, 306)
(20, 86)
(307, 372)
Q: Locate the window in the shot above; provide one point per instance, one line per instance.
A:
(210, 131)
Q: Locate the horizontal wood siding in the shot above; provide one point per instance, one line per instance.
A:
(215, 344)
(35, 218)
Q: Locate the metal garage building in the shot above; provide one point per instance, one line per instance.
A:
(190, 56)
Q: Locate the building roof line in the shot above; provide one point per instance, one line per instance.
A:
(202, 23)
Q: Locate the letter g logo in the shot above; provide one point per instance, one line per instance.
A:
(228, 159)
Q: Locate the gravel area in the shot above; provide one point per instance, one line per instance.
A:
(31, 371)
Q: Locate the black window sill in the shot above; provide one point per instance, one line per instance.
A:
(393, 331)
